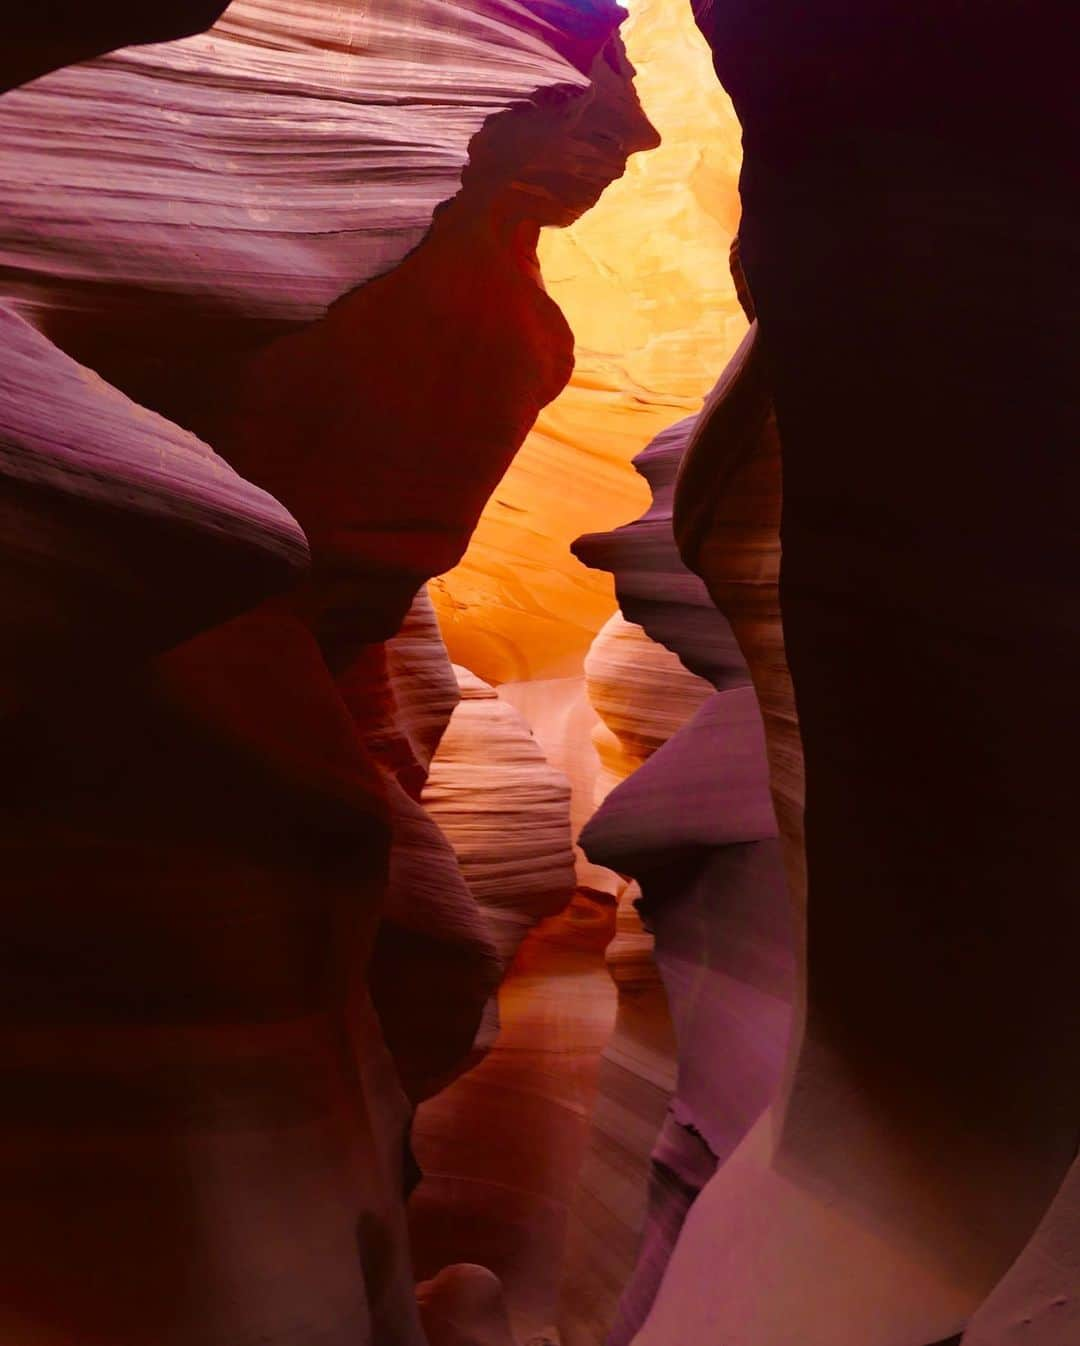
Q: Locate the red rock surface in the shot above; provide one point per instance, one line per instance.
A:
(486, 1197)
(199, 848)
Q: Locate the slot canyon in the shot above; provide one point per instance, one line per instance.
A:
(465, 882)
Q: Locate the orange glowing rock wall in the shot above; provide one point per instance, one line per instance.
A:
(644, 283)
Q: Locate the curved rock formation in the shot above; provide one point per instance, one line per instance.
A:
(565, 724)
(464, 1306)
(239, 951)
(198, 849)
(655, 589)
(122, 534)
(927, 1125)
(507, 815)
(727, 520)
(713, 893)
(309, 144)
(642, 692)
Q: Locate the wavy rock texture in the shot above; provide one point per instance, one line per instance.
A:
(308, 145)
(122, 533)
(927, 1126)
(519, 607)
(655, 588)
(643, 283)
(505, 812)
(565, 724)
(640, 694)
(199, 847)
(713, 898)
(643, 694)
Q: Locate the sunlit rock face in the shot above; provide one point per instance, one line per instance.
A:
(199, 848)
(896, 1195)
(642, 692)
(505, 811)
(566, 725)
(643, 281)
(656, 590)
(345, 127)
(642, 695)
(654, 316)
(521, 611)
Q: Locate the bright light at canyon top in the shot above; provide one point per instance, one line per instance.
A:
(643, 280)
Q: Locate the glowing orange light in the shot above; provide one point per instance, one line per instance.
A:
(643, 280)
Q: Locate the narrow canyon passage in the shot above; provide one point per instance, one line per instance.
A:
(464, 883)
(644, 281)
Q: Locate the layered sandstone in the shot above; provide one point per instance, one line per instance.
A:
(505, 812)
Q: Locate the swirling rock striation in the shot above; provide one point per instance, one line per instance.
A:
(307, 143)
(505, 812)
